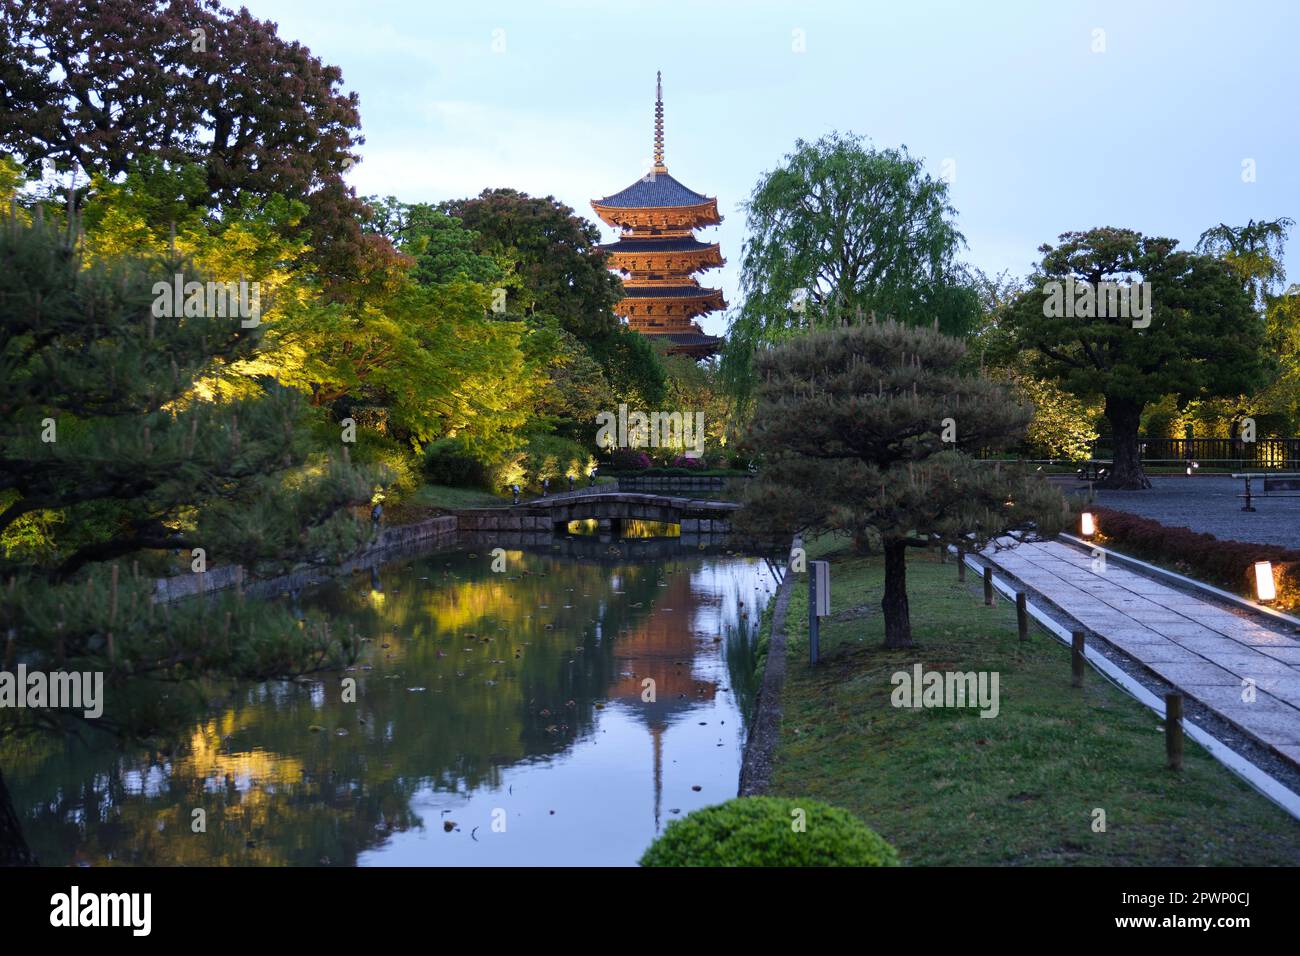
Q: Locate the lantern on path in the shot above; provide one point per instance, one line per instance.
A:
(1265, 588)
(1087, 525)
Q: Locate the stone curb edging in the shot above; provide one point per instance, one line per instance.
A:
(180, 586)
(756, 764)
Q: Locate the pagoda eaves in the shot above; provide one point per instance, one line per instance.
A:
(658, 254)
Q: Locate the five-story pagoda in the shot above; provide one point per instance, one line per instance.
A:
(658, 253)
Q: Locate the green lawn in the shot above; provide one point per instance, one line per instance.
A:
(948, 787)
(429, 500)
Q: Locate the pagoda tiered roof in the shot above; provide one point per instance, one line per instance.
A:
(676, 254)
(659, 255)
(655, 189)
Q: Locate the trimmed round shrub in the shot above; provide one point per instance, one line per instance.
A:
(448, 461)
(769, 831)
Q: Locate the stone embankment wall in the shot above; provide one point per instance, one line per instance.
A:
(228, 576)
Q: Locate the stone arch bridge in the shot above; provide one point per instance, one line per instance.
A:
(610, 509)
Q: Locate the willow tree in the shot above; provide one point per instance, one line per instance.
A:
(864, 431)
(839, 231)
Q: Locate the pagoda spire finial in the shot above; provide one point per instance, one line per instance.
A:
(659, 124)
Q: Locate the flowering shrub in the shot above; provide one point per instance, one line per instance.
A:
(629, 459)
(697, 464)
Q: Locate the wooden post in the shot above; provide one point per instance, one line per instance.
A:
(988, 587)
(1076, 659)
(1174, 730)
(1022, 615)
(961, 565)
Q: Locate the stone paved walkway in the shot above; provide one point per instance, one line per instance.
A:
(1203, 649)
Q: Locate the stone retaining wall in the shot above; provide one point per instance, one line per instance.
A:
(228, 576)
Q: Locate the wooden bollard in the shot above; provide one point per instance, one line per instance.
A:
(1076, 659)
(988, 587)
(1174, 730)
(1022, 615)
(961, 565)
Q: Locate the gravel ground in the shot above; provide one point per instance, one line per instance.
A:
(1209, 504)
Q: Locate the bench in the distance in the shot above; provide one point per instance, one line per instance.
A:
(1276, 485)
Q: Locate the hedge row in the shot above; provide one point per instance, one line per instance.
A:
(676, 473)
(1228, 564)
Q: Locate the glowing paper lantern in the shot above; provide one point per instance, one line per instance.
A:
(1265, 589)
(1087, 525)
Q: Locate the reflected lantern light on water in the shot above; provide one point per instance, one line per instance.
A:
(1265, 588)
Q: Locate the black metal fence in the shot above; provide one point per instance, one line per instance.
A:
(1267, 453)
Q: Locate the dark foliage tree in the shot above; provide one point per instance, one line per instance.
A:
(94, 84)
(554, 266)
(555, 274)
(1201, 338)
(862, 431)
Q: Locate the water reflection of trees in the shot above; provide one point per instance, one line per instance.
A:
(464, 672)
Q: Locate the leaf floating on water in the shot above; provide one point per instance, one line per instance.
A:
(414, 690)
(316, 728)
(448, 826)
(697, 788)
(340, 732)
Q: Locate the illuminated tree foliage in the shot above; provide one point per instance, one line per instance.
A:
(103, 434)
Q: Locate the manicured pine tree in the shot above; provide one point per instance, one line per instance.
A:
(864, 431)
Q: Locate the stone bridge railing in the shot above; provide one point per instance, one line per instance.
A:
(608, 509)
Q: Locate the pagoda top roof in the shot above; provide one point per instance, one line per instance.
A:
(657, 244)
(659, 190)
(656, 191)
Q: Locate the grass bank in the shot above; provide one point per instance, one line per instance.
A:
(948, 787)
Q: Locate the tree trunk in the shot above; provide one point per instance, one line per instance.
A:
(13, 848)
(898, 622)
(1126, 474)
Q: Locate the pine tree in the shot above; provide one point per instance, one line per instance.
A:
(861, 431)
(110, 463)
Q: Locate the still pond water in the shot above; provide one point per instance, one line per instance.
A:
(501, 718)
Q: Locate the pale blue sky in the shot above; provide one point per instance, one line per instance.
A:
(1045, 135)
